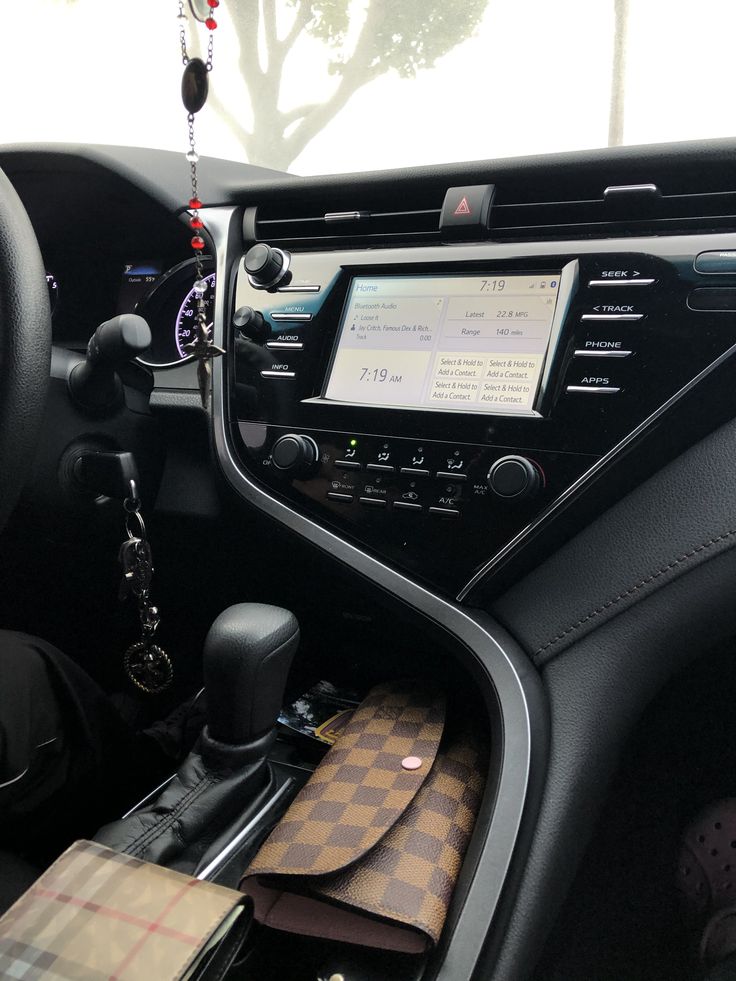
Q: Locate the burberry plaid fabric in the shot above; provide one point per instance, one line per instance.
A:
(360, 788)
(97, 914)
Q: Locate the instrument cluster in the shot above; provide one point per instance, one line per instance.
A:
(168, 302)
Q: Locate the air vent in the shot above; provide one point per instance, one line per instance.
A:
(329, 226)
(620, 211)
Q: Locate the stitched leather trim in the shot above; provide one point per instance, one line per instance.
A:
(149, 835)
(634, 589)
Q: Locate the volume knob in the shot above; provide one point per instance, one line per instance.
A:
(514, 477)
(296, 454)
(265, 265)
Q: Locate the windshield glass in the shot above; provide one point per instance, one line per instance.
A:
(324, 86)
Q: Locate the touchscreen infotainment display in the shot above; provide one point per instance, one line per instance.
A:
(460, 343)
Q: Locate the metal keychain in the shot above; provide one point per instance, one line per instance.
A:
(147, 665)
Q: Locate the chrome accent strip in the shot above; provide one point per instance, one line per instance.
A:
(47, 742)
(301, 318)
(605, 353)
(621, 282)
(145, 800)
(592, 390)
(285, 345)
(569, 275)
(633, 188)
(451, 512)
(299, 289)
(232, 845)
(278, 374)
(505, 674)
(13, 780)
(612, 316)
(346, 215)
(374, 502)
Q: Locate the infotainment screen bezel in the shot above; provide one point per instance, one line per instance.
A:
(568, 277)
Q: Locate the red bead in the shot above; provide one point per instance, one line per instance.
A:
(198, 242)
(196, 223)
(213, 3)
(210, 23)
(195, 203)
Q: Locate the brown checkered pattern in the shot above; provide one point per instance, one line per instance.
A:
(410, 876)
(360, 789)
(103, 916)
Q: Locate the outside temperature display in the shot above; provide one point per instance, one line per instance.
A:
(462, 343)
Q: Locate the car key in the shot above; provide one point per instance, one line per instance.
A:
(127, 558)
(147, 664)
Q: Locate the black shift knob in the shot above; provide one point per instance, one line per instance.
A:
(247, 657)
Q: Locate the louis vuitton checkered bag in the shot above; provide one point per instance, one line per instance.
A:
(370, 850)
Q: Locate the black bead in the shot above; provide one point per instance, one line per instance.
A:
(194, 85)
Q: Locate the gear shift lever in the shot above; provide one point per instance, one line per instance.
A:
(247, 656)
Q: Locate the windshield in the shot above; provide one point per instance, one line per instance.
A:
(326, 86)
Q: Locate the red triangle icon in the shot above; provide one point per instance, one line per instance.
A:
(463, 208)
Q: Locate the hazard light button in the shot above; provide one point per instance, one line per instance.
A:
(466, 211)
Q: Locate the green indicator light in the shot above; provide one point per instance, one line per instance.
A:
(353, 442)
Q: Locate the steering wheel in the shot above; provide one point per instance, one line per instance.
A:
(25, 345)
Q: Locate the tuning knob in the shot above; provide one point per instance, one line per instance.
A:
(297, 454)
(251, 324)
(266, 266)
(514, 476)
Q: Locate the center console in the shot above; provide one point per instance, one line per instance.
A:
(434, 404)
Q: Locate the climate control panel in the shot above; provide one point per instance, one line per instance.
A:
(437, 509)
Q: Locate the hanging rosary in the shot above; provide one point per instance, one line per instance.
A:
(194, 91)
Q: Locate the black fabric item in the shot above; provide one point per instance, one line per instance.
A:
(60, 738)
(16, 875)
(212, 787)
(247, 657)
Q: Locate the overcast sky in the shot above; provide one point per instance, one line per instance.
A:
(535, 79)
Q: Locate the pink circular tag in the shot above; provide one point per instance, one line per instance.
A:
(411, 762)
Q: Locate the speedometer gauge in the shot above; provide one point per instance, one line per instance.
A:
(185, 330)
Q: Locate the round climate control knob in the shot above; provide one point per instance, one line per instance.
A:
(265, 265)
(297, 454)
(514, 476)
(251, 323)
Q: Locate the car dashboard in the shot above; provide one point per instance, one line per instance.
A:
(498, 395)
